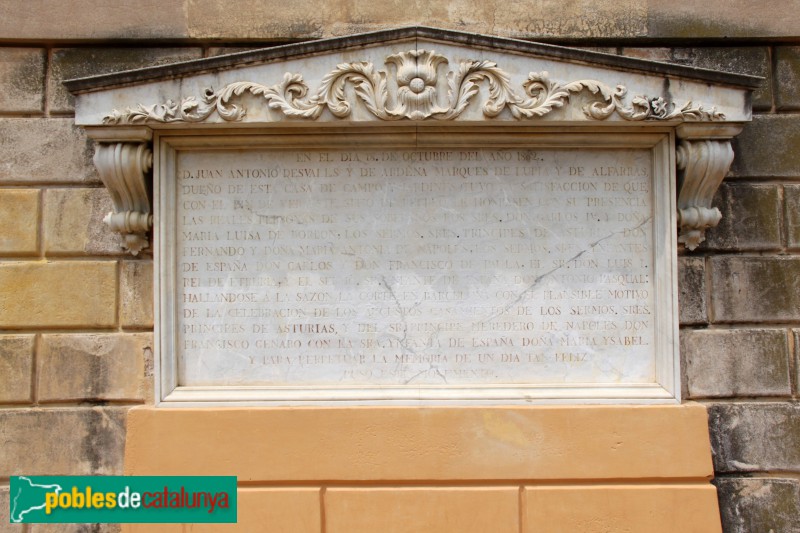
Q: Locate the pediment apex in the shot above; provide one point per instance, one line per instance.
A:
(421, 34)
(412, 74)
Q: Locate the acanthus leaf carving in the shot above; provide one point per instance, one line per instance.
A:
(413, 82)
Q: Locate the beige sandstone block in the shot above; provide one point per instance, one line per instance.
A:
(73, 222)
(136, 294)
(422, 510)
(16, 366)
(58, 294)
(71, 441)
(22, 79)
(93, 367)
(19, 216)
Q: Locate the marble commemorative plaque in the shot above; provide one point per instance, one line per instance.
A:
(422, 274)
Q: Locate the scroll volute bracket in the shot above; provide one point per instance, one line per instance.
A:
(703, 158)
(124, 159)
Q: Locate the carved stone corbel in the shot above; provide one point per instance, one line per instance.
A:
(123, 158)
(704, 156)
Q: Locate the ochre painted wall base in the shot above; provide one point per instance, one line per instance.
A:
(571, 469)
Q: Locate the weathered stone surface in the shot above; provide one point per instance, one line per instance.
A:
(70, 63)
(136, 294)
(721, 19)
(73, 222)
(736, 362)
(58, 20)
(255, 19)
(751, 218)
(222, 50)
(62, 441)
(22, 80)
(76, 528)
(650, 53)
(752, 60)
(767, 147)
(44, 150)
(93, 367)
(692, 290)
(749, 505)
(58, 294)
(19, 215)
(755, 437)
(5, 526)
(787, 74)
(791, 195)
(179, 19)
(16, 367)
(755, 289)
(796, 334)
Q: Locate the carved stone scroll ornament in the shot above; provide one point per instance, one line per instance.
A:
(123, 167)
(702, 165)
(411, 88)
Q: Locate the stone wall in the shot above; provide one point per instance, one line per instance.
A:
(76, 314)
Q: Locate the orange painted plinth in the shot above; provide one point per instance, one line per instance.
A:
(441, 469)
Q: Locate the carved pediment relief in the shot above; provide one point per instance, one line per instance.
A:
(415, 85)
(419, 76)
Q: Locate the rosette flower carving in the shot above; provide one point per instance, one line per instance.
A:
(416, 83)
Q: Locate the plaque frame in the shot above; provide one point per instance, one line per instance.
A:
(665, 389)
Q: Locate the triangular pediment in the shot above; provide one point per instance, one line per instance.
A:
(412, 74)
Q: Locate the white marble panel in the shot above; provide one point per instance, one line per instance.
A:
(421, 268)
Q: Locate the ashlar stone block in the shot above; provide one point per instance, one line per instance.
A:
(93, 367)
(759, 504)
(787, 73)
(755, 289)
(22, 79)
(751, 218)
(62, 441)
(58, 294)
(736, 362)
(19, 218)
(45, 150)
(16, 367)
(755, 437)
(767, 147)
(73, 222)
(136, 294)
(692, 290)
